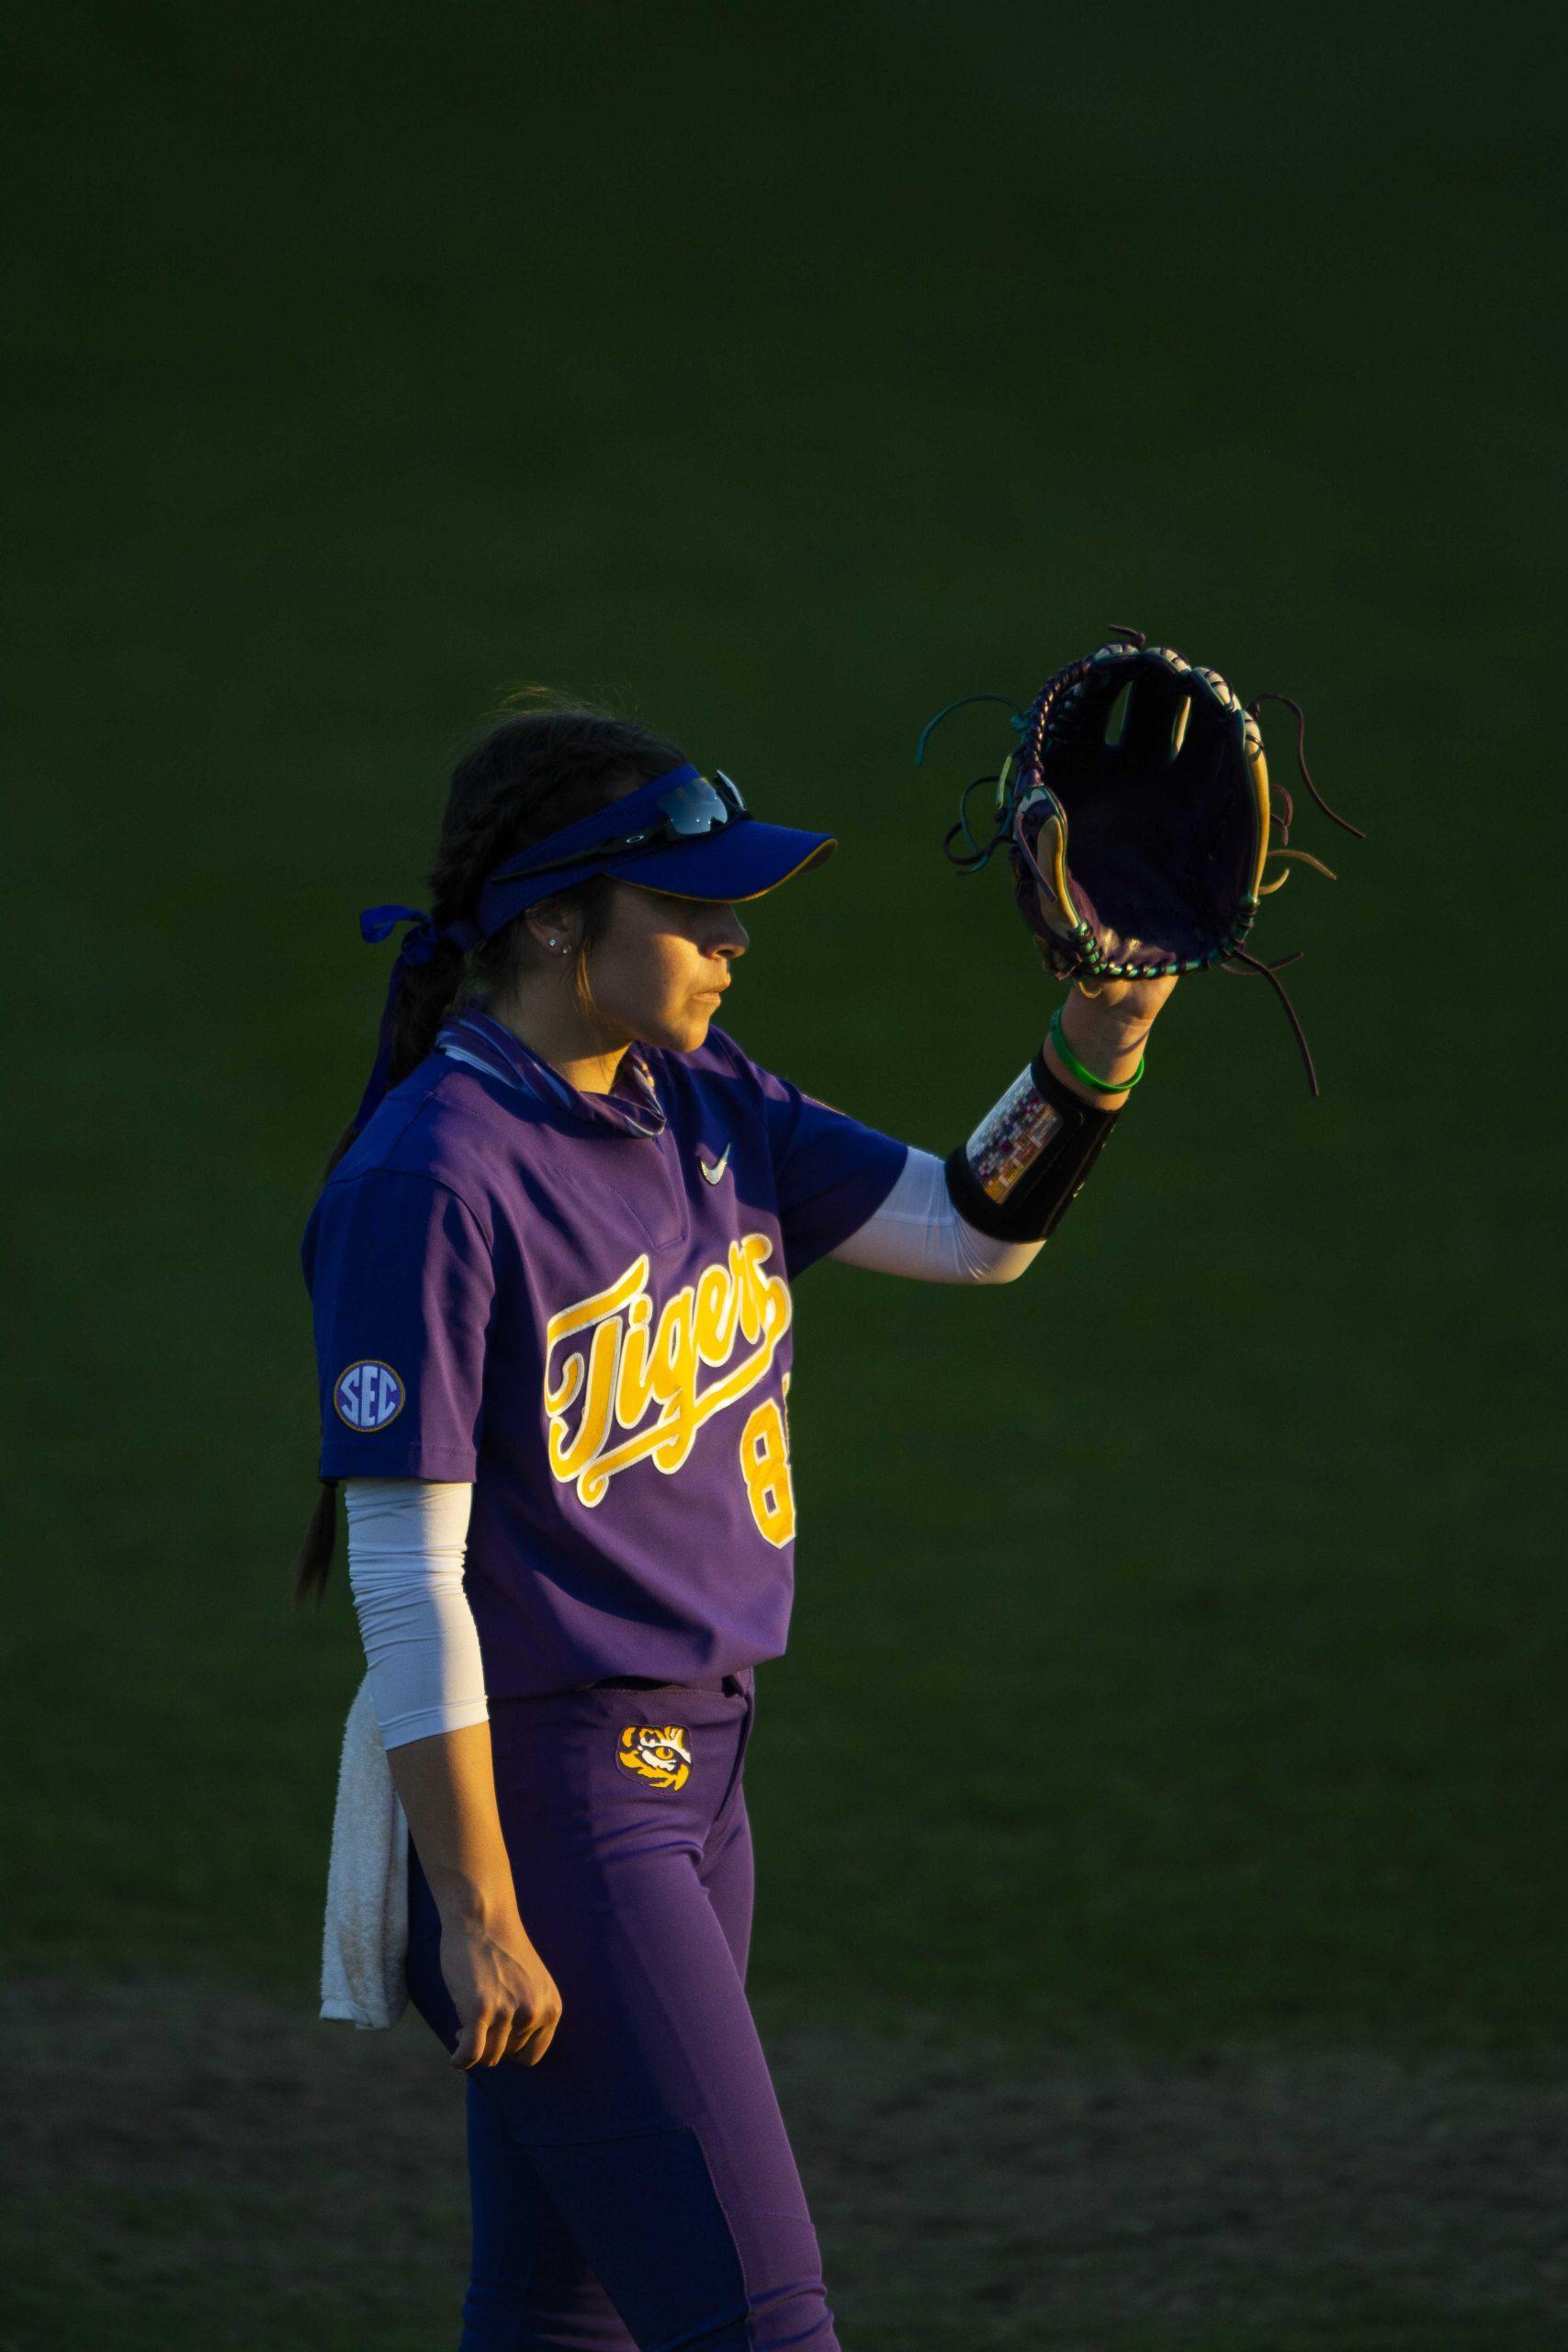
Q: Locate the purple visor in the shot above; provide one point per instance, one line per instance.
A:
(684, 833)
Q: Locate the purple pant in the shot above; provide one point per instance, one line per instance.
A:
(635, 2188)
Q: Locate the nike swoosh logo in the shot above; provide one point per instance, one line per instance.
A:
(716, 1171)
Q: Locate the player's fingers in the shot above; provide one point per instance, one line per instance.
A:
(471, 2041)
(526, 2046)
(532, 2035)
(495, 2042)
(490, 2045)
(546, 2032)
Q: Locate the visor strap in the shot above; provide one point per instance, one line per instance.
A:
(418, 945)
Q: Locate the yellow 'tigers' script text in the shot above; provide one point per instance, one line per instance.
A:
(619, 1389)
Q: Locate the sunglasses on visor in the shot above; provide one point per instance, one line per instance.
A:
(687, 811)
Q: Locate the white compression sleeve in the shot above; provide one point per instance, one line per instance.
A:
(918, 1231)
(406, 1542)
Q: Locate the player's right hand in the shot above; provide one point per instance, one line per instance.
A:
(505, 1998)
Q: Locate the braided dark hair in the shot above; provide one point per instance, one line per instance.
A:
(536, 768)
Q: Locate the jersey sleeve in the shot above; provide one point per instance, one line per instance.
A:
(829, 1171)
(402, 1287)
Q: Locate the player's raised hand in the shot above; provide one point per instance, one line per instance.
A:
(505, 1998)
(1127, 1004)
(1096, 1041)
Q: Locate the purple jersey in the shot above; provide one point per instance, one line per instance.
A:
(581, 1303)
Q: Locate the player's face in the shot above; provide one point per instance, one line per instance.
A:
(663, 963)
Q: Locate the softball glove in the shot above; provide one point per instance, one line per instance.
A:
(1139, 820)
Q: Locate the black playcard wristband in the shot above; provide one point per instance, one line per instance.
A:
(1020, 1171)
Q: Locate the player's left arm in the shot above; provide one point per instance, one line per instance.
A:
(984, 1214)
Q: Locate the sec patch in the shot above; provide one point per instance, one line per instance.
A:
(369, 1396)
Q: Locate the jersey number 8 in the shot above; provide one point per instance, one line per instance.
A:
(764, 1465)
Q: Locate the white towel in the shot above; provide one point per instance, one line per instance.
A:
(364, 1941)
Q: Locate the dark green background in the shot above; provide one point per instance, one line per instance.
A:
(1178, 1652)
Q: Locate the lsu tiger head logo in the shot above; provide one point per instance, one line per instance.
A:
(656, 1752)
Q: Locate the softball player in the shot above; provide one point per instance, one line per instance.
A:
(550, 1271)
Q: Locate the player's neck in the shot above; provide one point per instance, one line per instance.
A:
(554, 1025)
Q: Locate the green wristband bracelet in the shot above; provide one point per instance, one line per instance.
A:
(1087, 1076)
